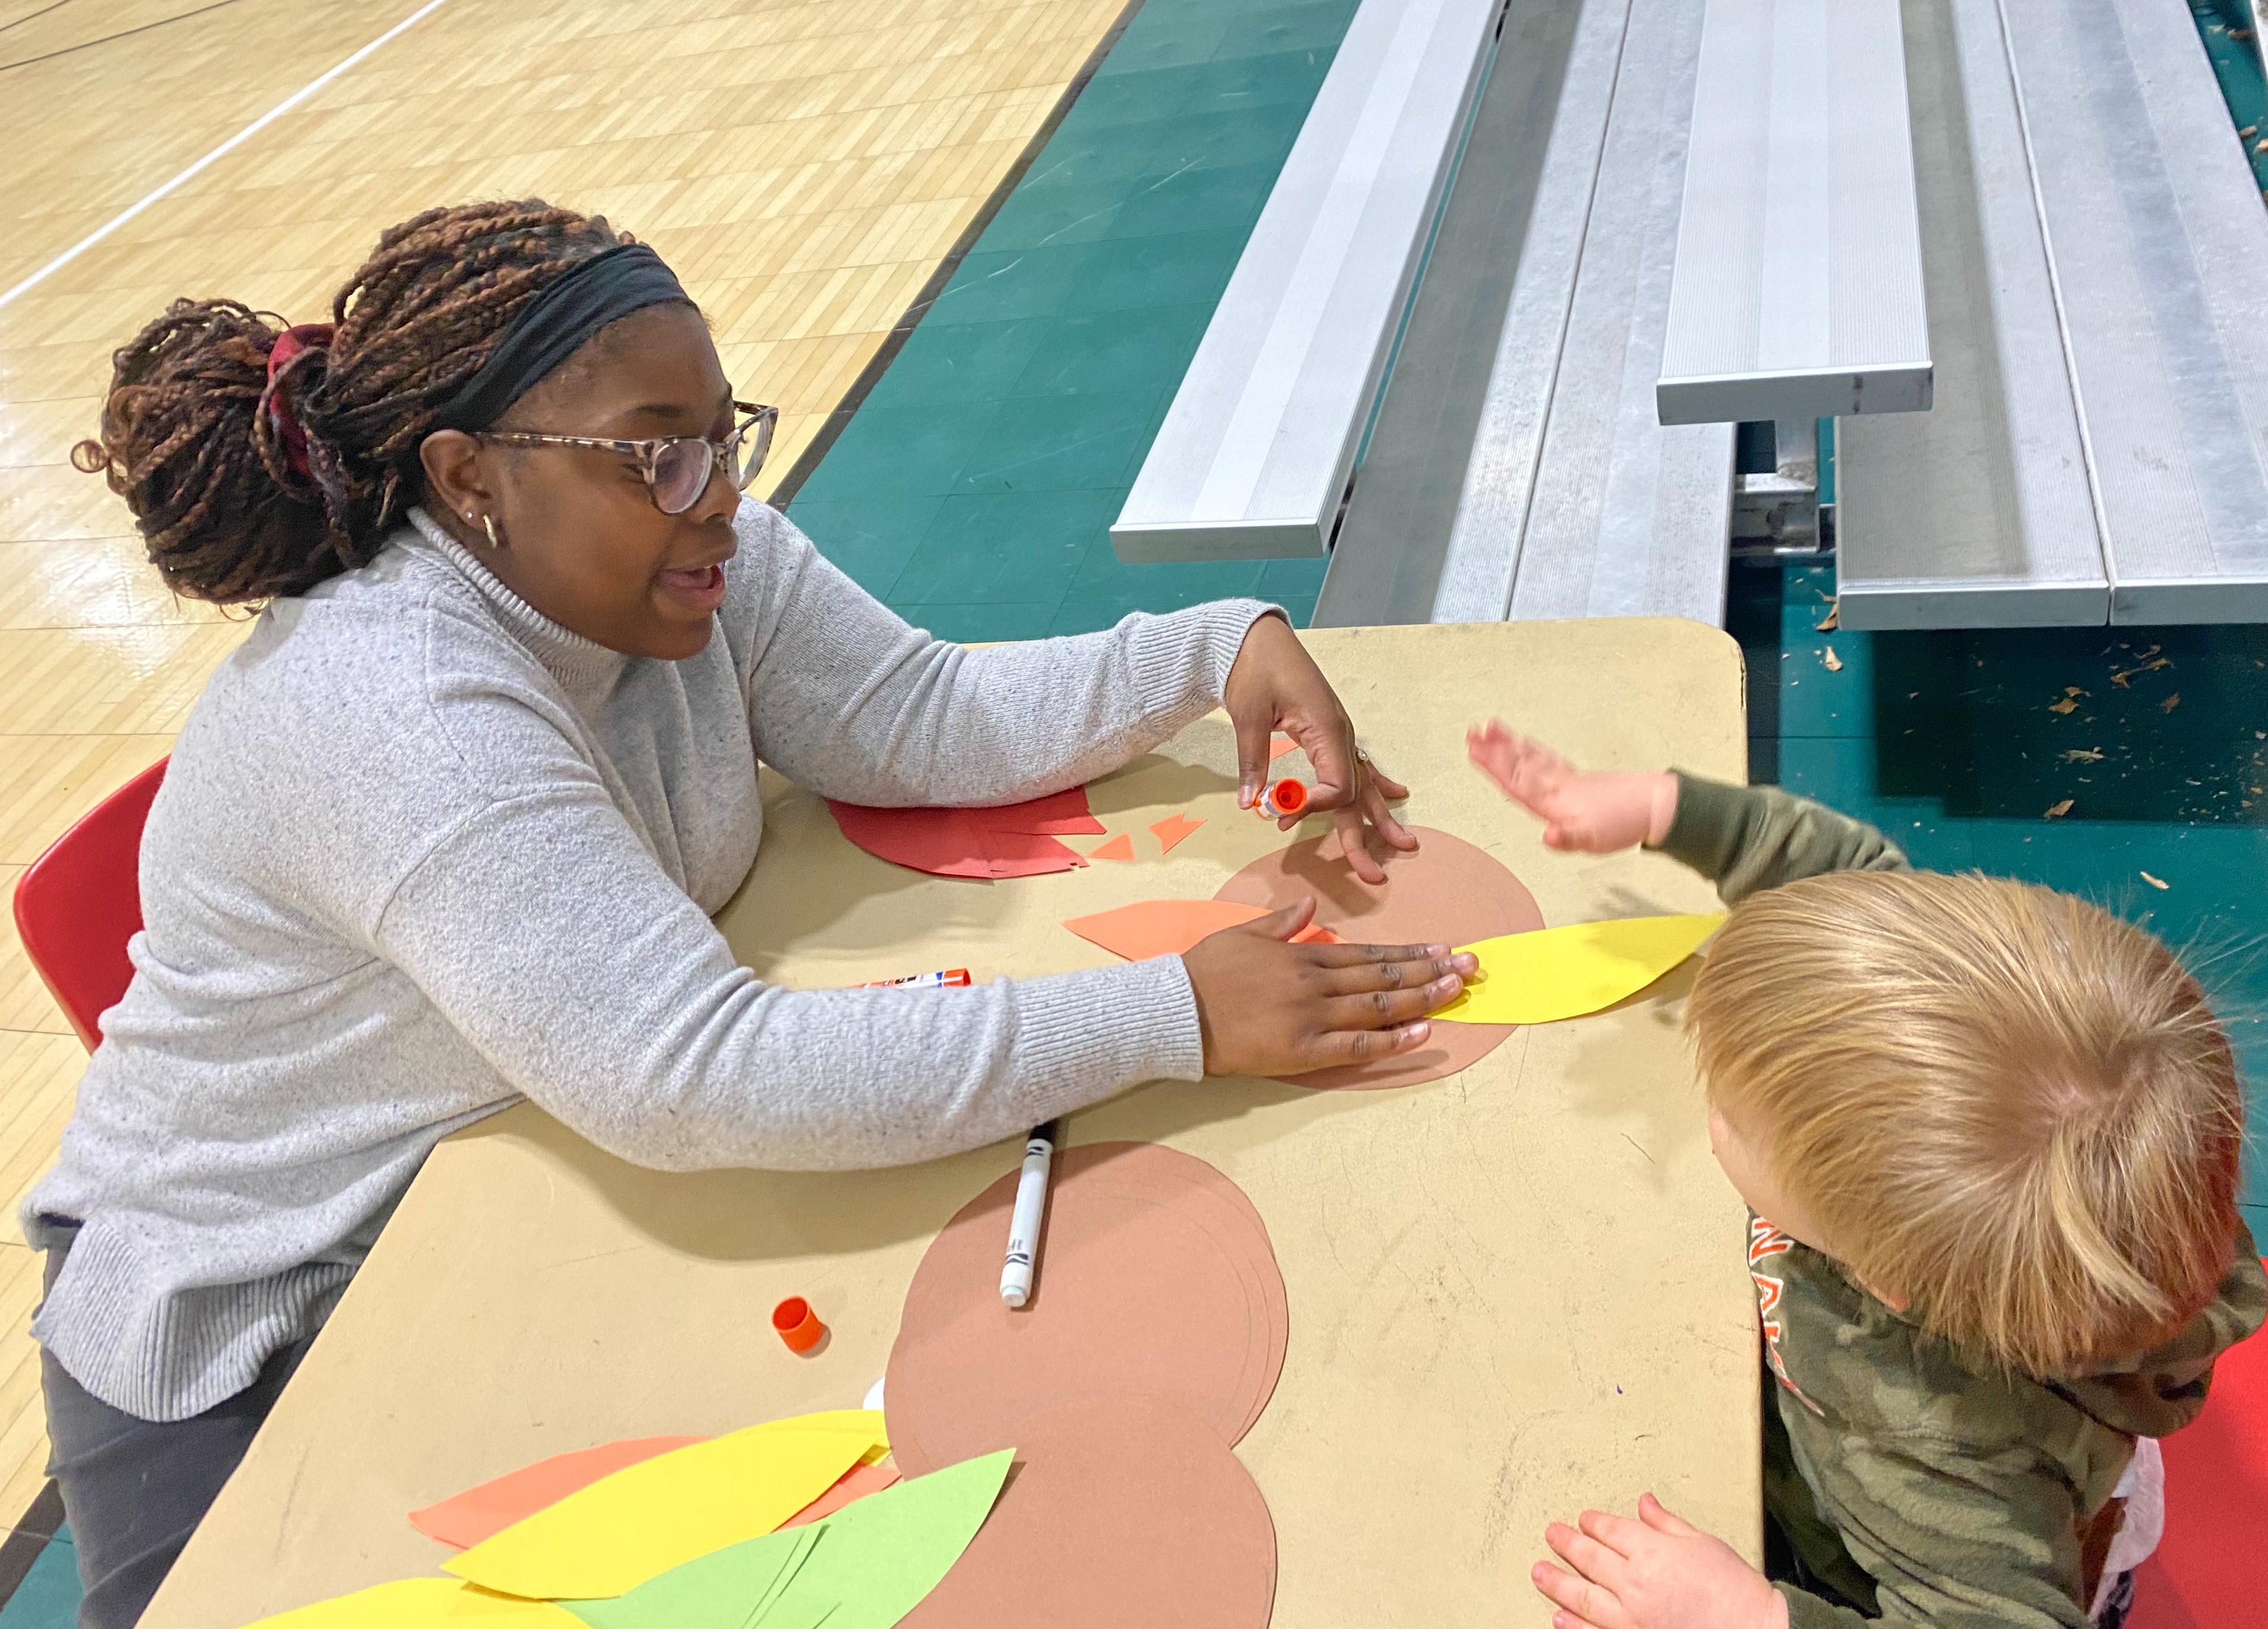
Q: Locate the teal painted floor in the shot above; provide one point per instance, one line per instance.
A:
(973, 489)
(1952, 743)
(46, 1596)
(2225, 25)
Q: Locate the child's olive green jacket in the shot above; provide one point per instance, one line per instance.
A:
(1923, 1489)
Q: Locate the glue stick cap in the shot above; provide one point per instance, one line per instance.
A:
(1286, 797)
(797, 1324)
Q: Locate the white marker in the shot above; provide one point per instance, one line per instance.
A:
(1024, 1221)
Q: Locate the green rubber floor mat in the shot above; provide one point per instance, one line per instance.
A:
(974, 489)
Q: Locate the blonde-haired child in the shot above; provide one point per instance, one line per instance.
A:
(1988, 1135)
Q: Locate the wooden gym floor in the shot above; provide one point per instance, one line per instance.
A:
(803, 166)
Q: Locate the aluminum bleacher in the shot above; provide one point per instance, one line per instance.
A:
(1798, 291)
(1576, 500)
(2092, 235)
(1253, 458)
(2010, 245)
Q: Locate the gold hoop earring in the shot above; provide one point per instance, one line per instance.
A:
(489, 525)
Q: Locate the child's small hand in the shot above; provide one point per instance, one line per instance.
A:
(1659, 1571)
(1589, 814)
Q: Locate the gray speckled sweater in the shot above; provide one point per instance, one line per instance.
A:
(423, 852)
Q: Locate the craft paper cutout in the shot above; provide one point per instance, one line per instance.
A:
(419, 1603)
(1156, 1278)
(472, 1515)
(614, 1535)
(723, 1590)
(1277, 746)
(1446, 892)
(862, 1567)
(881, 1556)
(1012, 840)
(808, 1541)
(1124, 1512)
(1172, 830)
(1166, 927)
(1565, 972)
(854, 1484)
(1120, 847)
(800, 1615)
(1062, 813)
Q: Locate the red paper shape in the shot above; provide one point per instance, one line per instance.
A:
(1027, 853)
(1172, 830)
(1120, 847)
(1279, 746)
(1011, 840)
(1059, 815)
(853, 1483)
(476, 1513)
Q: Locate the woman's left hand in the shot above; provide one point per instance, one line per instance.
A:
(1275, 685)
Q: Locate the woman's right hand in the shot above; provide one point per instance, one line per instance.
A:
(1268, 1006)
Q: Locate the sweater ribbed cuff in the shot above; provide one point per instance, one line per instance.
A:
(1081, 1037)
(1189, 651)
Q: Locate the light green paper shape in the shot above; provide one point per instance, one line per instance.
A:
(716, 1591)
(808, 1614)
(888, 1549)
(864, 1568)
(787, 1575)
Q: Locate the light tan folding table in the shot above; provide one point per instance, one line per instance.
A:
(1513, 1293)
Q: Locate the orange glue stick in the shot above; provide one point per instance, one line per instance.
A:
(797, 1325)
(1286, 797)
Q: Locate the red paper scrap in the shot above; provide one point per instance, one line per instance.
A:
(856, 1483)
(1172, 830)
(1279, 746)
(1026, 853)
(476, 1513)
(1120, 847)
(1059, 815)
(1011, 840)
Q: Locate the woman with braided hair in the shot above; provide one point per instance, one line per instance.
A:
(445, 832)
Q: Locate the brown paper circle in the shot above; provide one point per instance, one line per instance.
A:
(1155, 1278)
(1448, 892)
(1120, 1513)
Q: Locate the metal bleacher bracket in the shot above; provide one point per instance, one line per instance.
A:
(2093, 239)
(1254, 454)
(1798, 291)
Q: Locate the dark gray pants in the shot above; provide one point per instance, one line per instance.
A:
(133, 1490)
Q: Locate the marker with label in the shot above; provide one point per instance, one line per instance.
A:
(1286, 797)
(955, 979)
(1024, 1220)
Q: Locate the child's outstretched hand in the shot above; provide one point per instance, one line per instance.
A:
(1592, 814)
(1659, 1571)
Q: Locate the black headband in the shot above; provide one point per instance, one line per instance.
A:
(604, 288)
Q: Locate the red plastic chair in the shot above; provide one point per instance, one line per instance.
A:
(81, 900)
(2208, 1571)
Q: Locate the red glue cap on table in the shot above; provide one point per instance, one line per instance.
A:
(797, 1324)
(1286, 797)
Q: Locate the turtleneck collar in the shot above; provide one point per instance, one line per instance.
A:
(574, 660)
